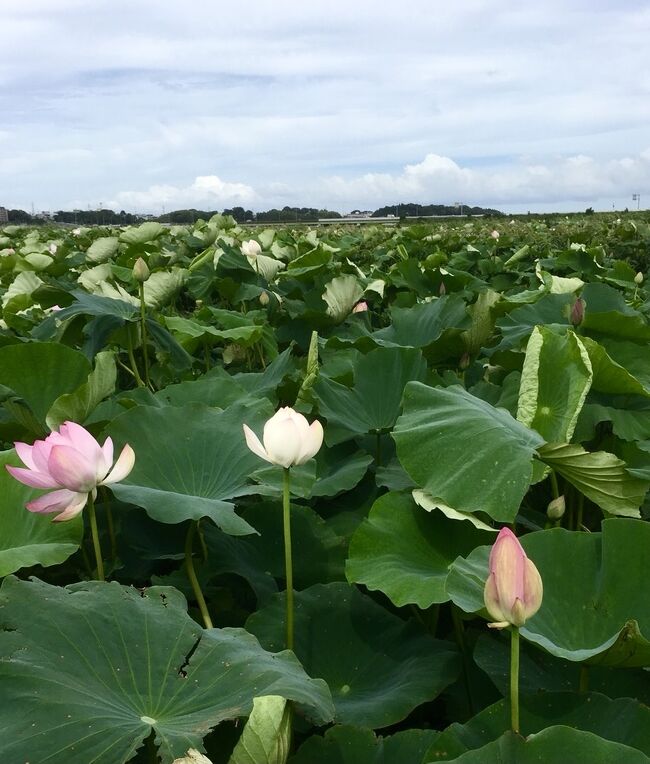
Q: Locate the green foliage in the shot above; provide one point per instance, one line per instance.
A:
(473, 389)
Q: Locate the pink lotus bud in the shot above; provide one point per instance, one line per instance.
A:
(495, 234)
(638, 279)
(72, 462)
(513, 591)
(577, 312)
(264, 299)
(289, 439)
(360, 307)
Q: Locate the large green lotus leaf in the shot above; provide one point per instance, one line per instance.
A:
(550, 746)
(555, 380)
(624, 721)
(627, 424)
(162, 286)
(266, 738)
(189, 460)
(378, 667)
(482, 321)
(600, 476)
(306, 264)
(611, 376)
(341, 293)
(19, 294)
(96, 305)
(406, 553)
(226, 554)
(540, 672)
(77, 406)
(634, 357)
(594, 608)
(28, 538)
(464, 451)
(190, 332)
(54, 370)
(325, 475)
(423, 324)
(373, 403)
(92, 669)
(319, 552)
(550, 310)
(355, 745)
(102, 249)
(607, 313)
(142, 234)
(218, 389)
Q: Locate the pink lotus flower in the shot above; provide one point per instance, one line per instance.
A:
(72, 462)
(360, 307)
(513, 591)
(289, 439)
(495, 234)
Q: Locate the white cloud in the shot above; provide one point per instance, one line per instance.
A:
(286, 92)
(439, 179)
(207, 191)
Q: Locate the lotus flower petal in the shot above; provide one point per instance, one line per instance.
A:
(71, 469)
(57, 501)
(282, 441)
(254, 443)
(288, 438)
(513, 590)
(32, 478)
(123, 466)
(312, 443)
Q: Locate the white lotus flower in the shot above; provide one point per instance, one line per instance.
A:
(251, 248)
(289, 439)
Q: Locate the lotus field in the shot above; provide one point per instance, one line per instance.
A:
(354, 495)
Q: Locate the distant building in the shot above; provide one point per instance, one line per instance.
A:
(4, 215)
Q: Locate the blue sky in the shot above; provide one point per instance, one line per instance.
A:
(144, 105)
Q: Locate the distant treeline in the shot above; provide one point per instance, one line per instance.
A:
(424, 210)
(241, 215)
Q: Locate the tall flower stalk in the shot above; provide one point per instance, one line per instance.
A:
(288, 562)
(141, 274)
(288, 440)
(513, 593)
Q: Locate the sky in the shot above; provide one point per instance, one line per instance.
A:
(158, 105)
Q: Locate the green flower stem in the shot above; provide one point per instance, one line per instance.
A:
(514, 679)
(95, 535)
(459, 631)
(288, 564)
(191, 574)
(378, 449)
(554, 486)
(143, 336)
(129, 350)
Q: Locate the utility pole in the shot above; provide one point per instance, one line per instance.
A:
(637, 198)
